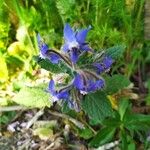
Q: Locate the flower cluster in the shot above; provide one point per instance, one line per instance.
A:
(85, 80)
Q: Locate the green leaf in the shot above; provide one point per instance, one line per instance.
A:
(97, 106)
(116, 51)
(6, 117)
(65, 8)
(53, 68)
(111, 122)
(123, 105)
(124, 142)
(3, 70)
(131, 143)
(137, 122)
(15, 61)
(116, 83)
(127, 142)
(43, 133)
(85, 133)
(147, 99)
(103, 136)
(33, 97)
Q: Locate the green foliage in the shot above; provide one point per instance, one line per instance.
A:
(85, 133)
(6, 117)
(123, 108)
(65, 9)
(126, 123)
(137, 122)
(115, 52)
(53, 68)
(33, 97)
(116, 83)
(103, 136)
(4, 70)
(148, 96)
(43, 133)
(97, 106)
(127, 142)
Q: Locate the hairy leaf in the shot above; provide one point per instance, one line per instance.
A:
(103, 136)
(33, 97)
(116, 51)
(53, 68)
(137, 121)
(116, 83)
(97, 106)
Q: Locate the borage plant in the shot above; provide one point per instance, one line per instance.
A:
(85, 89)
(89, 88)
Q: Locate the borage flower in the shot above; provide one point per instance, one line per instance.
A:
(86, 83)
(62, 95)
(75, 42)
(103, 66)
(44, 51)
(57, 95)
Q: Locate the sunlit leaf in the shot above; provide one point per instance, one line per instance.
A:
(43, 133)
(33, 97)
(3, 70)
(3, 101)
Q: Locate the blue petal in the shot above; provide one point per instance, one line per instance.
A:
(70, 103)
(51, 87)
(74, 55)
(91, 86)
(65, 47)
(85, 47)
(95, 85)
(42, 46)
(99, 67)
(78, 82)
(62, 95)
(54, 58)
(73, 105)
(81, 35)
(108, 61)
(99, 84)
(69, 34)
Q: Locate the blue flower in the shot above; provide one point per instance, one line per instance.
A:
(104, 65)
(62, 95)
(75, 42)
(44, 51)
(57, 95)
(86, 85)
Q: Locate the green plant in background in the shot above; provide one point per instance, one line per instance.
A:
(129, 126)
